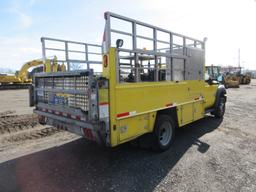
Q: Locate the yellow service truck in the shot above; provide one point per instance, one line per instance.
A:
(152, 82)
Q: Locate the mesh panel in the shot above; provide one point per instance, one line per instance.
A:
(61, 94)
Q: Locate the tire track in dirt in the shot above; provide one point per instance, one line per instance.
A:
(31, 134)
(15, 128)
(15, 123)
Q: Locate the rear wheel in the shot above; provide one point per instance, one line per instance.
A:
(164, 132)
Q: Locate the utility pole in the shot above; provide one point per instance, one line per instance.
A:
(239, 57)
(239, 64)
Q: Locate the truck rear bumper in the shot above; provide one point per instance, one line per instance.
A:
(89, 130)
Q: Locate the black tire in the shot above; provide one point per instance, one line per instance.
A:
(143, 142)
(221, 108)
(134, 143)
(164, 125)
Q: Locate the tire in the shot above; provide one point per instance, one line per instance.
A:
(164, 132)
(134, 143)
(143, 142)
(221, 108)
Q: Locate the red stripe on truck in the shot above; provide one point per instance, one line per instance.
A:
(77, 117)
(123, 114)
(103, 103)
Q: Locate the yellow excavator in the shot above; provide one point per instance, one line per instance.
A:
(23, 79)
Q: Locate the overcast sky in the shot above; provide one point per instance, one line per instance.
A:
(228, 25)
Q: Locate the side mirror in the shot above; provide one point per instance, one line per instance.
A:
(119, 43)
(210, 81)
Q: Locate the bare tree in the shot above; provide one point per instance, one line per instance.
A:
(75, 66)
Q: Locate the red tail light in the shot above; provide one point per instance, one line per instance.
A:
(105, 61)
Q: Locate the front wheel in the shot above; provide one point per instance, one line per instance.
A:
(220, 109)
(164, 132)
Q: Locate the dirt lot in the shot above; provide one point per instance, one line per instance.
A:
(208, 155)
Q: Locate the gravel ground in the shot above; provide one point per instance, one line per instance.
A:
(208, 155)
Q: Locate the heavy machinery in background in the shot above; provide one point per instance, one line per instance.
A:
(245, 78)
(142, 95)
(236, 74)
(229, 81)
(23, 78)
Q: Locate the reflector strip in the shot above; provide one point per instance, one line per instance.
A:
(132, 113)
(126, 114)
(57, 112)
(103, 103)
(169, 105)
(88, 133)
(122, 114)
(83, 119)
(77, 117)
(105, 61)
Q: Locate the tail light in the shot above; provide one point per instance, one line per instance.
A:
(105, 61)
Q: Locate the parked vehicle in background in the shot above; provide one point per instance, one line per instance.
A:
(226, 79)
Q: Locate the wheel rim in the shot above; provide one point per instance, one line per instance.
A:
(165, 133)
(222, 106)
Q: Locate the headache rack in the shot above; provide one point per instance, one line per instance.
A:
(150, 53)
(75, 55)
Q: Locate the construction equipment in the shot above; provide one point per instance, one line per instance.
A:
(236, 74)
(225, 79)
(23, 79)
(245, 78)
(145, 90)
(231, 81)
(215, 74)
(236, 79)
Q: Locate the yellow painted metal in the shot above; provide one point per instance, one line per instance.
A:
(110, 72)
(132, 127)
(63, 67)
(142, 101)
(55, 64)
(47, 66)
(198, 110)
(103, 95)
(9, 79)
(22, 76)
